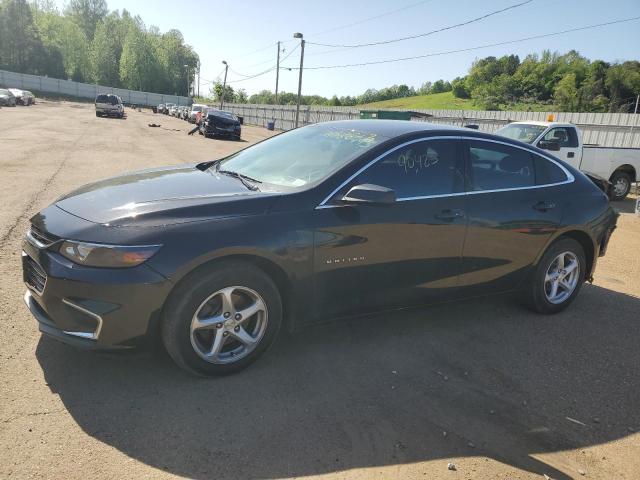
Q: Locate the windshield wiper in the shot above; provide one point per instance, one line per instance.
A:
(243, 178)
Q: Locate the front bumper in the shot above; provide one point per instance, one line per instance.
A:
(93, 308)
(222, 131)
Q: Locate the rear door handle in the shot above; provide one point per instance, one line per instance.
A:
(449, 214)
(571, 154)
(544, 206)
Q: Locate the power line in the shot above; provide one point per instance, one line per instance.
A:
(331, 30)
(420, 35)
(369, 19)
(249, 77)
(469, 49)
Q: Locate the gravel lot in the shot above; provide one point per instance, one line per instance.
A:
(484, 384)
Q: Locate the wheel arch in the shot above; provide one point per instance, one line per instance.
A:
(628, 169)
(586, 241)
(267, 265)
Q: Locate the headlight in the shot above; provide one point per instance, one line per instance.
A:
(109, 256)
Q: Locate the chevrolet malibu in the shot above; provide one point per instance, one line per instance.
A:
(327, 221)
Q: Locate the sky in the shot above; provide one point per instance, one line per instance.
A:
(244, 33)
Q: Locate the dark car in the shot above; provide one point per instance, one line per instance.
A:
(7, 99)
(220, 123)
(326, 221)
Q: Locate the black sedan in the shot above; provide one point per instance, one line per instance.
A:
(326, 221)
(218, 123)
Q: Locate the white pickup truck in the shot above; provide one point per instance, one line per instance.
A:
(621, 166)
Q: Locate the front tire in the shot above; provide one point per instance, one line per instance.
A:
(620, 186)
(557, 279)
(220, 320)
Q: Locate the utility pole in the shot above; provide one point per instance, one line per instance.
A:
(224, 85)
(637, 101)
(188, 83)
(299, 35)
(198, 78)
(277, 72)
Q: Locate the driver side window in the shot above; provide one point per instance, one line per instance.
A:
(566, 137)
(425, 168)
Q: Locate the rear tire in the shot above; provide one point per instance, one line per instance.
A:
(207, 307)
(620, 186)
(540, 295)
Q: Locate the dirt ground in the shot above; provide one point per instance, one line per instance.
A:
(486, 385)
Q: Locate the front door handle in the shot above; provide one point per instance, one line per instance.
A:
(449, 214)
(571, 154)
(544, 206)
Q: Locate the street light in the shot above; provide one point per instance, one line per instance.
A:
(224, 85)
(300, 36)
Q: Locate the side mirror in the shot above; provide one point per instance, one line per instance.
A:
(549, 145)
(370, 194)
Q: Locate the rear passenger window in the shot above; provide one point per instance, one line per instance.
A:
(497, 167)
(431, 167)
(548, 172)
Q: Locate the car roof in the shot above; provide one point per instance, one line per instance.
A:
(543, 124)
(393, 128)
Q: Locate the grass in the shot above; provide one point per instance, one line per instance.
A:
(446, 101)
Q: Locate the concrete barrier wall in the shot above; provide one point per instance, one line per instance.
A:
(84, 90)
(605, 129)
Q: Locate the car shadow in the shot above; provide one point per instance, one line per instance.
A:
(499, 380)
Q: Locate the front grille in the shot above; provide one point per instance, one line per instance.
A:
(33, 274)
(41, 239)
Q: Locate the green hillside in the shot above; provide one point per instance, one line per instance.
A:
(446, 101)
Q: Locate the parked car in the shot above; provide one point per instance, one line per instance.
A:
(172, 110)
(160, 108)
(220, 123)
(30, 98)
(167, 107)
(325, 221)
(184, 112)
(7, 99)
(109, 105)
(621, 166)
(23, 97)
(195, 108)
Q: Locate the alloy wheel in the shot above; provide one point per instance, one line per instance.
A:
(621, 186)
(228, 325)
(562, 277)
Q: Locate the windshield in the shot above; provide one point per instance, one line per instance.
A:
(523, 132)
(196, 109)
(4, 92)
(302, 156)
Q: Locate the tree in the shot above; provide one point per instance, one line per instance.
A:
(440, 86)
(61, 34)
(459, 88)
(566, 93)
(137, 65)
(21, 49)
(104, 57)
(217, 90)
(87, 14)
(241, 96)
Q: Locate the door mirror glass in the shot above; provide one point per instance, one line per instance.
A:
(551, 145)
(371, 194)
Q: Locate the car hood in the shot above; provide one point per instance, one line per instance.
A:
(165, 196)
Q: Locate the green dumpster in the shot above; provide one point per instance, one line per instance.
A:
(391, 114)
